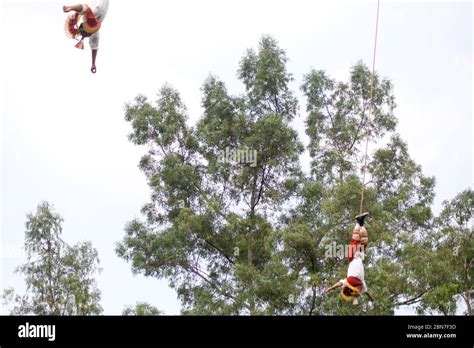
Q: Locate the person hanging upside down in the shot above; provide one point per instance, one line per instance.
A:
(92, 17)
(354, 285)
(359, 239)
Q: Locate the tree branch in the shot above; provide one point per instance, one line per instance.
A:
(212, 283)
(50, 276)
(411, 301)
(262, 183)
(336, 143)
(220, 250)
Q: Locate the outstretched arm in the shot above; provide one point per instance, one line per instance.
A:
(94, 56)
(337, 285)
(94, 43)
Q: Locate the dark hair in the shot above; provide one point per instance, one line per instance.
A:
(83, 32)
(349, 292)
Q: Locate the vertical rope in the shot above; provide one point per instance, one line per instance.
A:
(369, 120)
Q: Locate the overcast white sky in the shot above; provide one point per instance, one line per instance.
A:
(63, 134)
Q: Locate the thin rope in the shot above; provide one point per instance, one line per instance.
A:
(369, 120)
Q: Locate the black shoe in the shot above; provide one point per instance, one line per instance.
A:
(360, 218)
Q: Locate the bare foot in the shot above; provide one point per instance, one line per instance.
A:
(66, 9)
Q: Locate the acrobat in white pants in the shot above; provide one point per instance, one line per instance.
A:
(86, 22)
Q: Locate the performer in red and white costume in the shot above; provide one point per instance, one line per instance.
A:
(86, 22)
(360, 237)
(354, 284)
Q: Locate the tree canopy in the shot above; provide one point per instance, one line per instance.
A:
(59, 278)
(242, 235)
(234, 237)
(141, 309)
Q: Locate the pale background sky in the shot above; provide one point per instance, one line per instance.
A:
(64, 137)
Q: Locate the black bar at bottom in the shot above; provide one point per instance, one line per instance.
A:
(225, 331)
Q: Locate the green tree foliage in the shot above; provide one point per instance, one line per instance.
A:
(141, 309)
(338, 116)
(211, 225)
(452, 258)
(59, 278)
(253, 237)
(397, 195)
